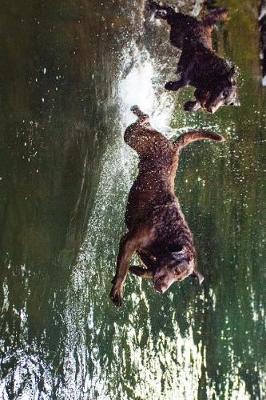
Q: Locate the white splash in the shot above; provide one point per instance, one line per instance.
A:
(138, 88)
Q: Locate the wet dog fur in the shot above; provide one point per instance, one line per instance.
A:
(213, 77)
(157, 230)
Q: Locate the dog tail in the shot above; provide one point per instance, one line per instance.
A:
(136, 110)
(193, 136)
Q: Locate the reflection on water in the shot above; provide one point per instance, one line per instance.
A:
(69, 75)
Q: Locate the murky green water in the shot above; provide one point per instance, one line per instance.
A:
(69, 73)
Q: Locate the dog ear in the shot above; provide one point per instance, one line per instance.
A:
(183, 269)
(171, 258)
(141, 272)
(178, 255)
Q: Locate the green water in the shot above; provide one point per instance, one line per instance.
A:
(69, 73)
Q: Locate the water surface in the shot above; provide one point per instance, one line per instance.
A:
(69, 73)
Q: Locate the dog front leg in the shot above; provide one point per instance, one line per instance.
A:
(175, 85)
(128, 245)
(192, 106)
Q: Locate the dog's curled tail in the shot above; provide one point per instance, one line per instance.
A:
(137, 111)
(193, 136)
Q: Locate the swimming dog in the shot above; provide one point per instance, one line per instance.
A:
(213, 77)
(157, 230)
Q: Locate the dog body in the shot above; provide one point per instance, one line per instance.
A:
(157, 229)
(199, 66)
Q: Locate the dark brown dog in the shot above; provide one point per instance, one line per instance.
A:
(212, 76)
(157, 229)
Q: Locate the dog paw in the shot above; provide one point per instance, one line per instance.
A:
(191, 106)
(116, 295)
(169, 85)
(172, 85)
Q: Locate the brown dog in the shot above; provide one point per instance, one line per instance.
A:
(157, 229)
(212, 76)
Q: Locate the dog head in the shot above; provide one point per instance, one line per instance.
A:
(225, 94)
(170, 268)
(174, 267)
(212, 97)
